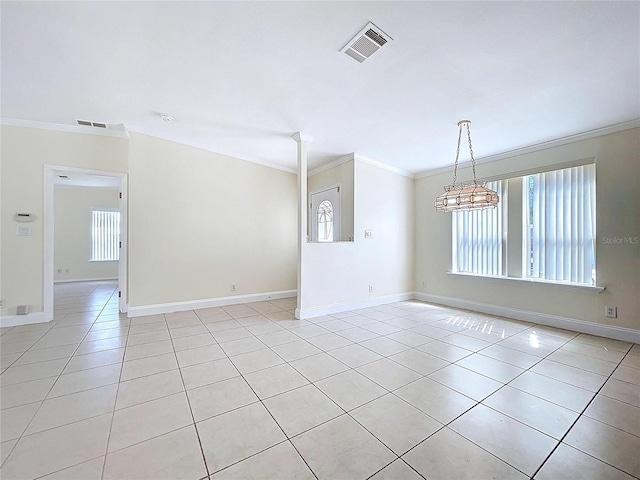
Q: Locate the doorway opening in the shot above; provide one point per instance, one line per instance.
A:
(103, 236)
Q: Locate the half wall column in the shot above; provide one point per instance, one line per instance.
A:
(302, 140)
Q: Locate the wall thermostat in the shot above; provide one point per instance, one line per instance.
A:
(25, 217)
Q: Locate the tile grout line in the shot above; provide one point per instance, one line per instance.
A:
(61, 372)
(287, 438)
(267, 410)
(471, 353)
(478, 403)
(195, 427)
(322, 392)
(322, 351)
(353, 367)
(114, 400)
(45, 398)
(113, 412)
(581, 414)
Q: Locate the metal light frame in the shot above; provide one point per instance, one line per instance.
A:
(471, 195)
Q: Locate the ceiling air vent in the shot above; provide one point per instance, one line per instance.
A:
(87, 123)
(367, 42)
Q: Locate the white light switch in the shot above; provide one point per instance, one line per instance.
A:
(23, 231)
(368, 233)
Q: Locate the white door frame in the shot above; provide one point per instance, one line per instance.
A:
(48, 274)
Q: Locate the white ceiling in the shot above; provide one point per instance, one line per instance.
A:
(240, 77)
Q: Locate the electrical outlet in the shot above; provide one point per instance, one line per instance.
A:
(59, 270)
(67, 270)
(611, 312)
(424, 283)
(1, 303)
(233, 287)
(370, 288)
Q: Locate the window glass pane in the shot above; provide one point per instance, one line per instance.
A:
(325, 221)
(561, 223)
(105, 235)
(478, 245)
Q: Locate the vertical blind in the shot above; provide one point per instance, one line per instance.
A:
(478, 237)
(105, 235)
(562, 224)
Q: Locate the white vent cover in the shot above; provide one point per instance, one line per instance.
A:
(87, 123)
(367, 42)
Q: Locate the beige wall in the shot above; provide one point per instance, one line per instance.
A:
(340, 273)
(617, 159)
(23, 153)
(72, 233)
(200, 222)
(339, 175)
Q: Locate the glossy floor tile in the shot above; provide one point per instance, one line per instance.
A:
(401, 391)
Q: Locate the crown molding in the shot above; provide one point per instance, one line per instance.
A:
(354, 156)
(334, 163)
(385, 166)
(598, 132)
(299, 136)
(124, 133)
(202, 146)
(58, 127)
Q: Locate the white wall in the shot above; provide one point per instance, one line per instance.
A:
(618, 215)
(72, 233)
(23, 153)
(201, 221)
(339, 175)
(336, 276)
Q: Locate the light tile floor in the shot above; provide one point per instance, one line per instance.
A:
(401, 391)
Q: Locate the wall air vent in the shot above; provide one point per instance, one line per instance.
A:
(367, 42)
(87, 123)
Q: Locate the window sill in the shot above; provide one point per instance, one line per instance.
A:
(521, 281)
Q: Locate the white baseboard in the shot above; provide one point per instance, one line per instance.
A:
(106, 279)
(143, 310)
(346, 306)
(609, 331)
(16, 320)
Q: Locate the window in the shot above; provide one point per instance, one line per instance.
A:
(478, 244)
(557, 216)
(325, 221)
(561, 211)
(105, 235)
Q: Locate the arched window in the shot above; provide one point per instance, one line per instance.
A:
(325, 221)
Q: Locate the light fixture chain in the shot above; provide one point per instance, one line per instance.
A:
(473, 160)
(455, 166)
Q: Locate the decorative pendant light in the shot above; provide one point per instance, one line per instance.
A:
(468, 195)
